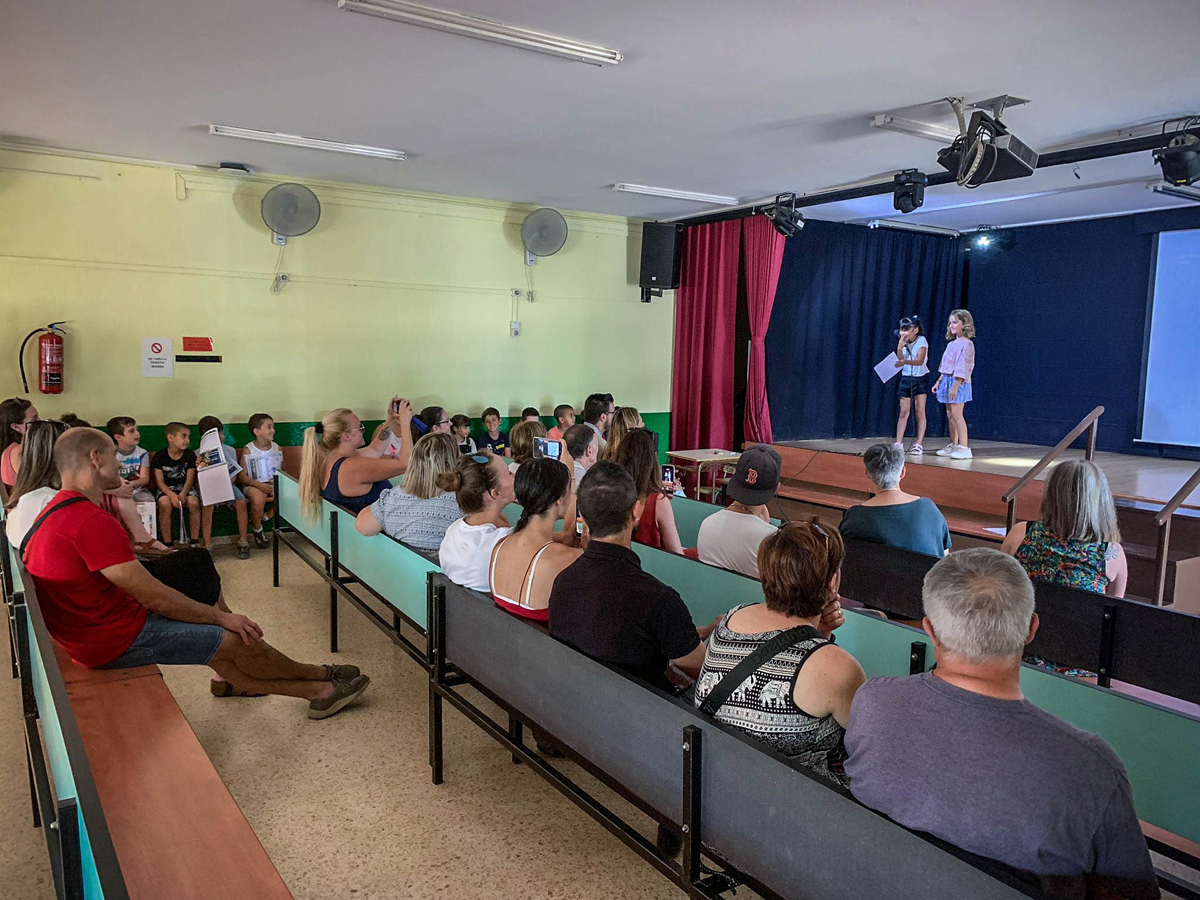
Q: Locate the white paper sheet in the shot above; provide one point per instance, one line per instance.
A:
(157, 358)
(887, 369)
(212, 472)
(1000, 531)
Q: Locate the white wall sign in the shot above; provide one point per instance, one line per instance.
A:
(158, 358)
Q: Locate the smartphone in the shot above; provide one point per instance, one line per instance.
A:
(396, 407)
(668, 473)
(579, 527)
(543, 448)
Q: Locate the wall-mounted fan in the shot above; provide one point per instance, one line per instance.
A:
(290, 210)
(543, 233)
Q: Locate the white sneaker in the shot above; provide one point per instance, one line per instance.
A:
(916, 450)
(961, 453)
(947, 450)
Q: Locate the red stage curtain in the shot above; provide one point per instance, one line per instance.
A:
(705, 320)
(764, 255)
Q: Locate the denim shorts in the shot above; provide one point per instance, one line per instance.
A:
(168, 642)
(963, 395)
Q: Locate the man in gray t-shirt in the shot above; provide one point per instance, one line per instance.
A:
(960, 754)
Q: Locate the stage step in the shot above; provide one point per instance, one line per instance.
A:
(1136, 520)
(1183, 576)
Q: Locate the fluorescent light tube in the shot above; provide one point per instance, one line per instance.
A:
(484, 30)
(1181, 191)
(295, 140)
(674, 194)
(912, 226)
(937, 133)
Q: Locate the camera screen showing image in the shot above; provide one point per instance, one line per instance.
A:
(544, 448)
(668, 473)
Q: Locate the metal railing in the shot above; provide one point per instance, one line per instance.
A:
(1089, 423)
(1163, 520)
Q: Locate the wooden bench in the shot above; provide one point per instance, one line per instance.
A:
(175, 827)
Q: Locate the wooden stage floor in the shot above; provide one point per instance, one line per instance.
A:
(1143, 478)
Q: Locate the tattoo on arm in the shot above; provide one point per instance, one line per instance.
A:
(1113, 551)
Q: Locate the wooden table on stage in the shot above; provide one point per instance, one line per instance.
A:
(699, 461)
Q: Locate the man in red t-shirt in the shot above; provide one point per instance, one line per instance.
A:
(108, 611)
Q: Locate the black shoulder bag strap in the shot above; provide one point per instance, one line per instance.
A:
(752, 663)
(42, 518)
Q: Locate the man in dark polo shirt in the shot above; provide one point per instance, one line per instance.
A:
(606, 606)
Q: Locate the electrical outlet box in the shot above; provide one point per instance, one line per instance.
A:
(514, 328)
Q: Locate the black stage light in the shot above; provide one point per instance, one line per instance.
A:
(909, 193)
(1180, 160)
(992, 240)
(784, 216)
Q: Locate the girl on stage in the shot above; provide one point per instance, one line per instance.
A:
(953, 388)
(911, 358)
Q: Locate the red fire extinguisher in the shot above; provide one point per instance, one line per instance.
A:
(50, 359)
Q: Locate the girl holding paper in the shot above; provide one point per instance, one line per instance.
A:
(953, 388)
(911, 358)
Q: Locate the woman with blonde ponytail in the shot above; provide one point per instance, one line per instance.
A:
(338, 467)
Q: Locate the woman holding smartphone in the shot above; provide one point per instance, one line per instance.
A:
(638, 456)
(912, 353)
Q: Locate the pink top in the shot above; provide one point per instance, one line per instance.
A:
(959, 359)
(7, 473)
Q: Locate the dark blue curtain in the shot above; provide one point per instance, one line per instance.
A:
(842, 290)
(1061, 320)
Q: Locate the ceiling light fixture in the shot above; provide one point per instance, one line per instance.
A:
(674, 194)
(900, 124)
(912, 226)
(1182, 191)
(484, 30)
(295, 140)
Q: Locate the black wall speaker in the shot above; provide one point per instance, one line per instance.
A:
(661, 246)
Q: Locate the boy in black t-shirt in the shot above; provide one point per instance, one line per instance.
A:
(174, 471)
(495, 439)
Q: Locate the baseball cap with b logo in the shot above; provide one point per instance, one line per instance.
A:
(756, 477)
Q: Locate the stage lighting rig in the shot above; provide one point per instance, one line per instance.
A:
(909, 193)
(784, 216)
(1180, 159)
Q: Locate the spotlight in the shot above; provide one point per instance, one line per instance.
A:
(991, 240)
(909, 193)
(783, 215)
(1180, 160)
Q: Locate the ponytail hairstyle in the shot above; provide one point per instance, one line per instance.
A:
(796, 565)
(638, 455)
(12, 412)
(623, 421)
(37, 460)
(539, 485)
(430, 416)
(521, 437)
(433, 455)
(319, 441)
(471, 480)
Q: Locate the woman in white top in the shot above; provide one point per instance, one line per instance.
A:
(525, 564)
(912, 355)
(483, 486)
(37, 480)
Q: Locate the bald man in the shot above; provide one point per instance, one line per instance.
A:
(108, 611)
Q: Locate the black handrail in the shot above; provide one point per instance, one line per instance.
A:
(1089, 423)
(1163, 521)
(104, 854)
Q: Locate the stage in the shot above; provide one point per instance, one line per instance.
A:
(1140, 478)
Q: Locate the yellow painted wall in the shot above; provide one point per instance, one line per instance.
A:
(392, 292)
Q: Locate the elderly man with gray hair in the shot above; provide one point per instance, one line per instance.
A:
(961, 754)
(891, 516)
